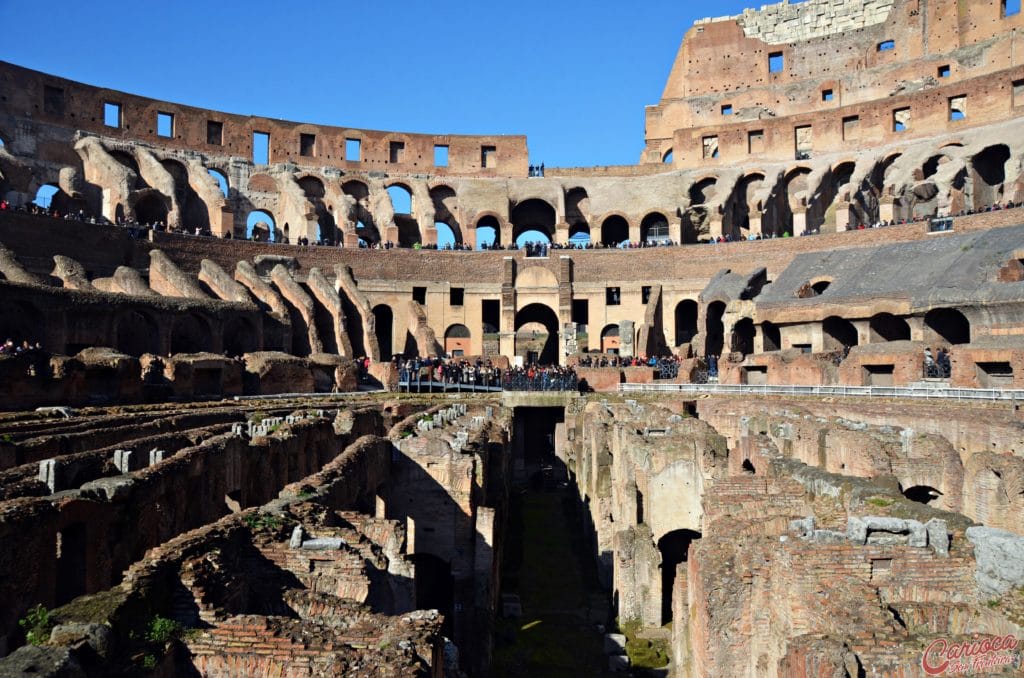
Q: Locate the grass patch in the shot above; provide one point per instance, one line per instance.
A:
(880, 502)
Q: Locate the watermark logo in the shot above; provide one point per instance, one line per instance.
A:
(946, 658)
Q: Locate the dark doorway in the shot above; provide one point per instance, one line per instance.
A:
(949, 324)
(714, 328)
(384, 320)
(71, 563)
(675, 549)
(686, 321)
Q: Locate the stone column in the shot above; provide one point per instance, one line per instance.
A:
(799, 221)
(561, 233)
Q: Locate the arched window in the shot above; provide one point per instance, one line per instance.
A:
(222, 180)
(488, 233)
(401, 199)
(259, 225)
(445, 236)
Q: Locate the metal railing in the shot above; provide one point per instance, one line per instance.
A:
(841, 391)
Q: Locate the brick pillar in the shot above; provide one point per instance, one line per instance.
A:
(507, 331)
(842, 216)
(429, 235)
(755, 222)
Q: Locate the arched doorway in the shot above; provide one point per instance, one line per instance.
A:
(614, 231)
(457, 341)
(838, 334)
(686, 321)
(260, 225)
(887, 327)
(541, 349)
(488, 233)
(137, 334)
(610, 340)
(674, 548)
(151, 209)
(190, 334)
(239, 337)
(948, 325)
(714, 329)
(922, 494)
(743, 336)
(535, 218)
(384, 320)
(654, 229)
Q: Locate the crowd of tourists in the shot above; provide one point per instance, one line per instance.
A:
(26, 347)
(484, 373)
(665, 367)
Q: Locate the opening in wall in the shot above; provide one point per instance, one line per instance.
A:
(851, 127)
(755, 141)
(261, 148)
(164, 124)
(1018, 93)
(488, 157)
(353, 148)
(1010, 8)
(901, 120)
(995, 375)
(214, 132)
(53, 100)
(396, 151)
(776, 62)
(440, 156)
(958, 107)
(827, 95)
(307, 145)
(112, 114)
(456, 296)
(419, 295)
(710, 147)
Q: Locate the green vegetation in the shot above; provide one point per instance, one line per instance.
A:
(6, 438)
(647, 654)
(643, 653)
(257, 417)
(881, 502)
(262, 521)
(162, 630)
(37, 625)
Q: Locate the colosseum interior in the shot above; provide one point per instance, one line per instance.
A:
(777, 434)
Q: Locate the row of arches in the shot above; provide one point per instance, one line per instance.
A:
(946, 325)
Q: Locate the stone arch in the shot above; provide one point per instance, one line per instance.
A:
(457, 340)
(487, 230)
(546, 316)
(685, 321)
(190, 333)
(221, 178)
(674, 548)
(821, 214)
(654, 228)
(703, 190)
(137, 333)
(315, 190)
(260, 225)
(577, 209)
(150, 207)
(384, 319)
(988, 175)
(361, 214)
(931, 166)
(610, 340)
(446, 210)
(128, 161)
(192, 210)
(262, 183)
(240, 336)
(714, 329)
(614, 230)
(534, 214)
(888, 327)
(948, 325)
(838, 333)
(402, 201)
(736, 214)
(743, 336)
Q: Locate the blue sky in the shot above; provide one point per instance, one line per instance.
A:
(574, 76)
